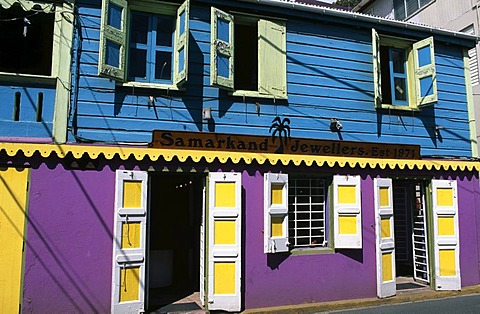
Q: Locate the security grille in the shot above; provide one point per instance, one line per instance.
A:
(306, 212)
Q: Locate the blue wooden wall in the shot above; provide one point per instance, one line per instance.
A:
(329, 75)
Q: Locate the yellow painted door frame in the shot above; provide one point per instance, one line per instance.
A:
(13, 212)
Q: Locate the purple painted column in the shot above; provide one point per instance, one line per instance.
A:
(69, 241)
(282, 279)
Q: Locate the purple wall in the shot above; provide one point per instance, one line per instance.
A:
(69, 246)
(468, 207)
(69, 241)
(278, 279)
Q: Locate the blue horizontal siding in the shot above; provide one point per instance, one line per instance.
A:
(329, 75)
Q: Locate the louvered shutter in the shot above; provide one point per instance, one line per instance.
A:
(275, 229)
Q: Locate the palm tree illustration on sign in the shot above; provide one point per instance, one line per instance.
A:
(281, 129)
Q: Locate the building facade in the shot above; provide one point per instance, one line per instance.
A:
(460, 16)
(253, 154)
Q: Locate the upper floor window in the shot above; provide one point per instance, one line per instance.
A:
(404, 72)
(144, 43)
(26, 36)
(248, 55)
(404, 8)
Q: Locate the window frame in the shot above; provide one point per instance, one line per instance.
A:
(60, 76)
(180, 44)
(414, 72)
(272, 71)
(327, 214)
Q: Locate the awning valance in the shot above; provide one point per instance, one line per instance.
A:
(139, 153)
(29, 5)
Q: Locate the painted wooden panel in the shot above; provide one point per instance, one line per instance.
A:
(27, 110)
(13, 210)
(329, 74)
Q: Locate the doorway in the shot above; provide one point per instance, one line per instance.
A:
(410, 228)
(173, 242)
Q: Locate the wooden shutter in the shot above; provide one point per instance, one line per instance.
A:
(113, 39)
(221, 54)
(13, 213)
(224, 230)
(473, 59)
(128, 286)
(445, 235)
(275, 197)
(203, 246)
(347, 212)
(384, 237)
(181, 43)
(424, 72)
(272, 58)
(377, 76)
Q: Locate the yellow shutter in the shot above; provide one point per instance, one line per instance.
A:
(275, 231)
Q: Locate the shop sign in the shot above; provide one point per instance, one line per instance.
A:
(281, 143)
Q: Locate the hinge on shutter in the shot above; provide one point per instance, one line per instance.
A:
(281, 29)
(28, 186)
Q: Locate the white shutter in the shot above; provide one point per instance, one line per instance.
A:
(221, 50)
(384, 237)
(224, 250)
(275, 230)
(128, 279)
(473, 59)
(445, 235)
(377, 76)
(181, 43)
(347, 212)
(202, 246)
(424, 72)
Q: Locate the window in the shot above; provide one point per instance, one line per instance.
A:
(26, 36)
(473, 59)
(248, 55)
(149, 47)
(307, 214)
(404, 72)
(405, 8)
(297, 216)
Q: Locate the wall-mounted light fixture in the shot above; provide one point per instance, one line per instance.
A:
(437, 130)
(335, 125)
(207, 113)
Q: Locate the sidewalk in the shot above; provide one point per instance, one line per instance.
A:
(360, 303)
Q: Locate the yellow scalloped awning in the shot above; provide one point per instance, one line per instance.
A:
(139, 153)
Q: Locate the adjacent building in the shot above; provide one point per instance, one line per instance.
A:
(245, 154)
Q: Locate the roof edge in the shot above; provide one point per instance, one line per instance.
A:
(364, 17)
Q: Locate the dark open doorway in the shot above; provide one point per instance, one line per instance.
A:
(175, 216)
(411, 245)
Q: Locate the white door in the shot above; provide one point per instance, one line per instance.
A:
(129, 242)
(445, 235)
(384, 238)
(224, 241)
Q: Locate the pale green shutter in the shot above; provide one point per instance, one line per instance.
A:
(111, 61)
(377, 76)
(181, 43)
(275, 230)
(424, 72)
(272, 58)
(221, 53)
(347, 212)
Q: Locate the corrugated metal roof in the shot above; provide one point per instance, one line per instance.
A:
(342, 13)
